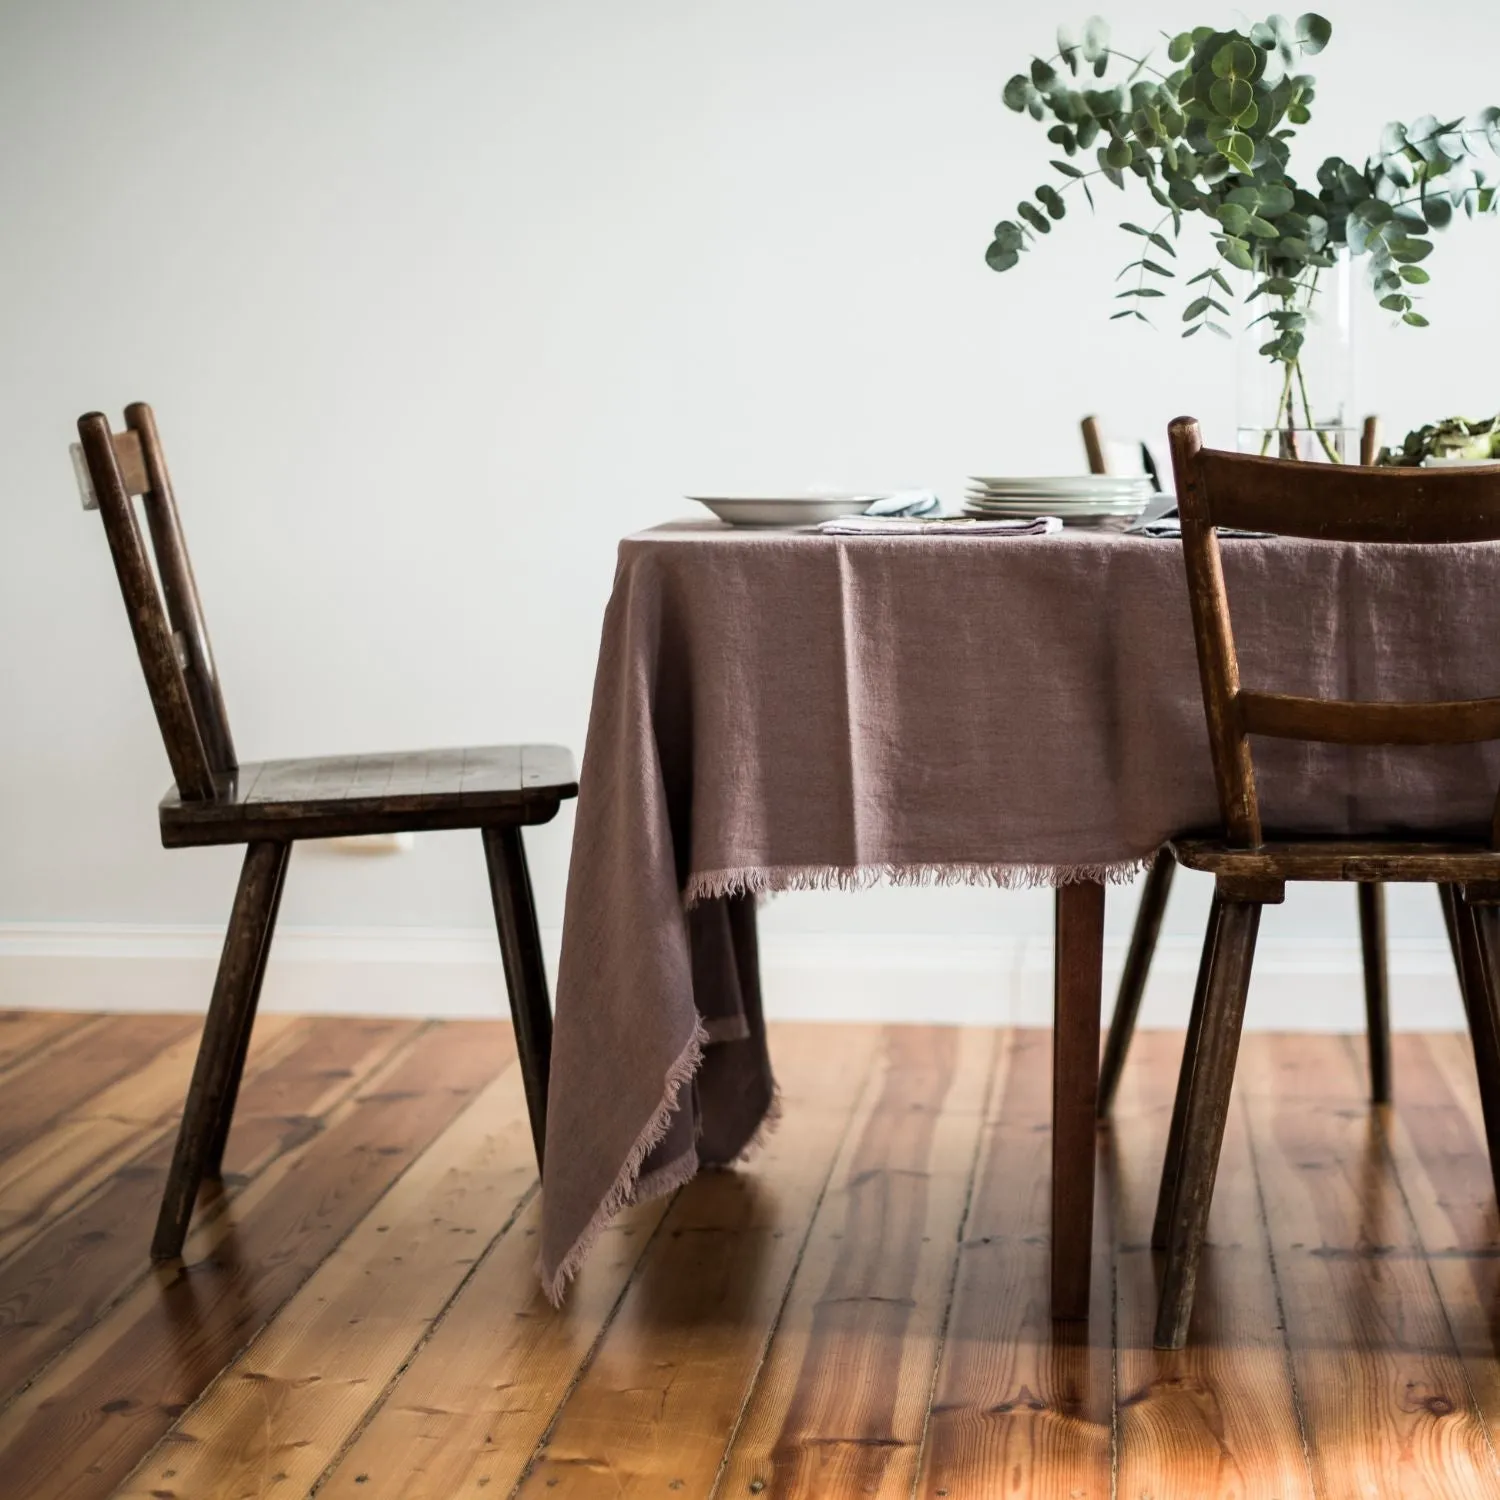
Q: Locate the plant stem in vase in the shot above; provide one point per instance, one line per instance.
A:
(1295, 364)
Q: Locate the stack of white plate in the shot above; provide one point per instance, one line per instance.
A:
(1098, 500)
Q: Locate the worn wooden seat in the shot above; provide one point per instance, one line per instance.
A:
(269, 805)
(1321, 502)
(1370, 896)
(1272, 863)
(331, 796)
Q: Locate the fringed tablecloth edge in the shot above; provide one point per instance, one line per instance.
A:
(629, 1186)
(761, 880)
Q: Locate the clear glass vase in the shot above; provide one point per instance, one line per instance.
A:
(1301, 407)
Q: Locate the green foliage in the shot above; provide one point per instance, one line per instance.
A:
(1212, 137)
(1454, 437)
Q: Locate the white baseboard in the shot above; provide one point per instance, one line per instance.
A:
(977, 980)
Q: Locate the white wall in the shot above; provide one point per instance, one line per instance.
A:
(436, 300)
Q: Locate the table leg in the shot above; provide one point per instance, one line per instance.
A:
(1077, 983)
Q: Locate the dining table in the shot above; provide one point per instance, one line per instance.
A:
(781, 710)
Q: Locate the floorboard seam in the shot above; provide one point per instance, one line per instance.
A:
(47, 1044)
(791, 1280)
(37, 1130)
(376, 1406)
(1286, 1340)
(1003, 1040)
(593, 1350)
(157, 1130)
(390, 1061)
(1475, 1408)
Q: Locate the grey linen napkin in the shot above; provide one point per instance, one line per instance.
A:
(1159, 519)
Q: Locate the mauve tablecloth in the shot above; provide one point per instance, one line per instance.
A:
(782, 710)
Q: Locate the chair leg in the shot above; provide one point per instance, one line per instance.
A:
(1479, 948)
(1447, 895)
(213, 1160)
(1205, 1113)
(225, 1033)
(1171, 1169)
(1133, 981)
(525, 974)
(1377, 990)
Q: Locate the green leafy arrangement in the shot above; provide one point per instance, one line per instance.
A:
(1454, 437)
(1213, 136)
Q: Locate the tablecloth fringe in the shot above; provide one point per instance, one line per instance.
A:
(756, 880)
(629, 1186)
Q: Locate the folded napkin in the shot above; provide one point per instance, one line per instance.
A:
(868, 525)
(904, 503)
(1163, 522)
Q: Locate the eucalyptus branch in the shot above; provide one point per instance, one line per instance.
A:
(1215, 139)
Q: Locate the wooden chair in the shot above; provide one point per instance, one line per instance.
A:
(1326, 503)
(1153, 904)
(268, 806)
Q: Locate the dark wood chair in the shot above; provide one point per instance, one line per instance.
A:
(268, 806)
(1370, 899)
(1326, 503)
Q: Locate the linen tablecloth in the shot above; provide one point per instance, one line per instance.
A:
(783, 710)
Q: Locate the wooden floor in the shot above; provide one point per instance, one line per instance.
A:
(862, 1311)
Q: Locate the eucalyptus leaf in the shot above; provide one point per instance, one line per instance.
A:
(1236, 59)
(1034, 218)
(1407, 250)
(1067, 45)
(1232, 97)
(1313, 32)
(1095, 38)
(1238, 150)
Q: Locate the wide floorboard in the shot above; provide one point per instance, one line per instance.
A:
(860, 1311)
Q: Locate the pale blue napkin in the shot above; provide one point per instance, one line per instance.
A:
(903, 503)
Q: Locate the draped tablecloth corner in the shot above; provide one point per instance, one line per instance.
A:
(787, 711)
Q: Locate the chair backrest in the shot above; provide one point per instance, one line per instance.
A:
(1324, 502)
(1093, 445)
(166, 616)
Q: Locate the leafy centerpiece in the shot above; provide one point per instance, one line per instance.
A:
(1452, 438)
(1213, 137)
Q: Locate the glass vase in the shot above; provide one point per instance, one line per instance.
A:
(1299, 407)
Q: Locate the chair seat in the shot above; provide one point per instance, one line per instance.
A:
(1382, 860)
(342, 795)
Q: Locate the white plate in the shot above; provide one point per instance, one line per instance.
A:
(1054, 508)
(783, 510)
(1069, 484)
(986, 498)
